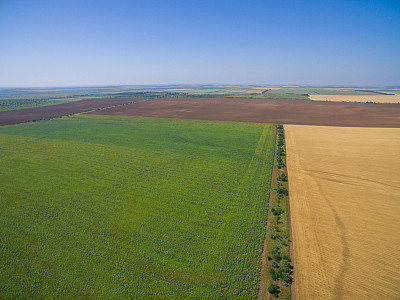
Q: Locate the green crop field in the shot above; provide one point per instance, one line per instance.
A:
(13, 104)
(133, 208)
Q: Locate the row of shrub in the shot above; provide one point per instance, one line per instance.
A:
(281, 267)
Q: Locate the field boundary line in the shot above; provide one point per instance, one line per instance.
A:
(293, 286)
(262, 287)
(276, 269)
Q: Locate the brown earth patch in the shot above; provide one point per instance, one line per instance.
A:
(59, 110)
(278, 111)
(301, 112)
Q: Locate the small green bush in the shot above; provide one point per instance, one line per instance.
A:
(286, 263)
(282, 177)
(274, 274)
(282, 191)
(274, 290)
(277, 257)
(287, 279)
(286, 257)
(277, 210)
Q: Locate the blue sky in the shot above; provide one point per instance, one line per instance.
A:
(87, 42)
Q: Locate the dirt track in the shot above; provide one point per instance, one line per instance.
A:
(280, 111)
(52, 111)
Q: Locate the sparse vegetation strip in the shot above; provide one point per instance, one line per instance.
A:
(276, 272)
(281, 268)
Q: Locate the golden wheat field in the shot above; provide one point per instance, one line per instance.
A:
(344, 188)
(358, 98)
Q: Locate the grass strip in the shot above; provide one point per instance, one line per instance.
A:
(276, 272)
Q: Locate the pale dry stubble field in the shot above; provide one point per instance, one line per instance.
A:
(358, 98)
(344, 189)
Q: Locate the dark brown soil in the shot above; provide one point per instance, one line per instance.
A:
(301, 112)
(52, 111)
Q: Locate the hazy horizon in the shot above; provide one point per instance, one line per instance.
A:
(205, 85)
(48, 44)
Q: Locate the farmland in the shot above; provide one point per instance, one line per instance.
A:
(122, 207)
(278, 105)
(22, 98)
(344, 193)
(109, 204)
(278, 111)
(395, 98)
(55, 111)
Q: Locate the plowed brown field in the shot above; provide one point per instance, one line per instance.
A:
(279, 111)
(59, 110)
(344, 188)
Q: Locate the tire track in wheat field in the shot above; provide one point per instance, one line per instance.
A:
(307, 253)
(338, 282)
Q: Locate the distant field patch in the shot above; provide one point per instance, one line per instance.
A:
(358, 98)
(53, 111)
(14, 104)
(344, 190)
(279, 111)
(133, 208)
